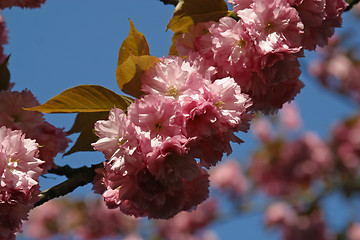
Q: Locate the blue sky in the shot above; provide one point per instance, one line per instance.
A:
(68, 43)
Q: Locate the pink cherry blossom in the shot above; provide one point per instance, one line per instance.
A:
(53, 140)
(12, 113)
(21, 3)
(345, 141)
(194, 40)
(280, 214)
(169, 158)
(172, 77)
(289, 117)
(320, 17)
(338, 71)
(157, 115)
(19, 185)
(229, 178)
(232, 104)
(310, 227)
(40, 218)
(275, 84)
(99, 221)
(187, 225)
(232, 44)
(117, 133)
(241, 4)
(143, 194)
(11, 216)
(261, 127)
(89, 219)
(266, 24)
(353, 232)
(282, 168)
(19, 156)
(295, 226)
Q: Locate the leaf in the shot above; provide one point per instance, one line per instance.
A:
(134, 45)
(189, 12)
(134, 58)
(128, 74)
(84, 119)
(4, 75)
(84, 98)
(83, 143)
(173, 51)
(84, 123)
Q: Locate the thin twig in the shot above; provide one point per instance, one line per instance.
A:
(79, 177)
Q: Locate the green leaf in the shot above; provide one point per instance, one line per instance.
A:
(84, 98)
(4, 75)
(128, 74)
(189, 12)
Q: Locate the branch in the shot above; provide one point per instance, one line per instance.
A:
(78, 177)
(66, 170)
(351, 4)
(173, 2)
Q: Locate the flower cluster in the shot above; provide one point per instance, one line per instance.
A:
(297, 226)
(157, 152)
(87, 220)
(186, 225)
(229, 178)
(283, 167)
(260, 49)
(19, 173)
(192, 106)
(346, 144)
(353, 232)
(51, 139)
(338, 69)
(20, 164)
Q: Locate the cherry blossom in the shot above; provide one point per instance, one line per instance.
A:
(19, 173)
(228, 177)
(283, 168)
(53, 140)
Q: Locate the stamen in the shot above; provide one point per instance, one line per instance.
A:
(172, 91)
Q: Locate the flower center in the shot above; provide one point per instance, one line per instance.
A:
(172, 91)
(220, 104)
(241, 43)
(268, 27)
(158, 125)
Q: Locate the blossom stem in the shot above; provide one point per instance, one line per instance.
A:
(77, 177)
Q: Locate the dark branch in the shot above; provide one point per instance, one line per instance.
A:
(173, 2)
(351, 4)
(66, 171)
(78, 177)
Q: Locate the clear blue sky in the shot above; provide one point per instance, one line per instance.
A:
(68, 43)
